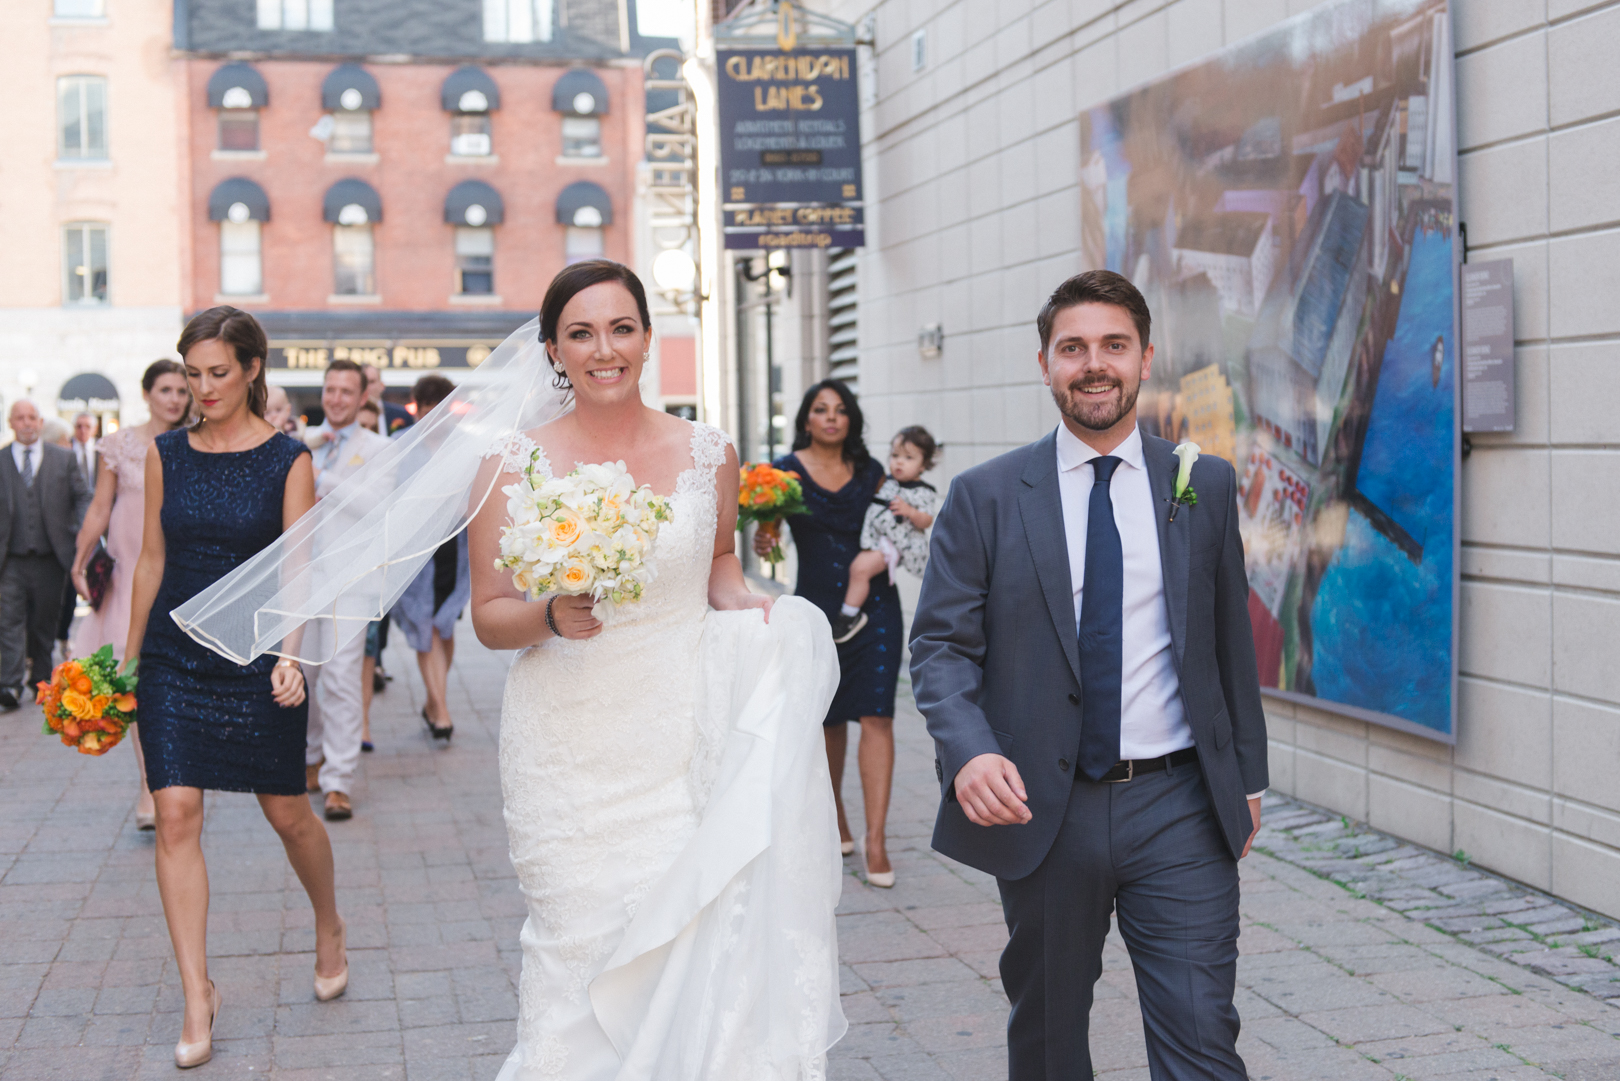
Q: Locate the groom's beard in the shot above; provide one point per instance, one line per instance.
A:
(1095, 414)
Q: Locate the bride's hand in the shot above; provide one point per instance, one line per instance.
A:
(572, 615)
(744, 601)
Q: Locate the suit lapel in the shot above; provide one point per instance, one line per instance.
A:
(1040, 507)
(1175, 548)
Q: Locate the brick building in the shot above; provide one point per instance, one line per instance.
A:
(399, 183)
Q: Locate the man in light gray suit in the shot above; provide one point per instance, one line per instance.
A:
(1083, 656)
(43, 501)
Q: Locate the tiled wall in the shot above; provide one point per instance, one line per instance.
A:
(972, 166)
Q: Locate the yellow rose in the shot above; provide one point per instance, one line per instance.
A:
(575, 576)
(563, 527)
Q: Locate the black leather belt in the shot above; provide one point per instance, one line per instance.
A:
(1132, 768)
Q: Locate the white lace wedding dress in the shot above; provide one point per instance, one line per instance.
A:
(671, 823)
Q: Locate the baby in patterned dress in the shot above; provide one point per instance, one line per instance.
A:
(895, 533)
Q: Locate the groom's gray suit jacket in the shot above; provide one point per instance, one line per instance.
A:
(995, 659)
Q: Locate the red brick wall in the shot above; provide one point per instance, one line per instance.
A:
(415, 258)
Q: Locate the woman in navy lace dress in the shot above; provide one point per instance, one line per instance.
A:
(216, 494)
(839, 479)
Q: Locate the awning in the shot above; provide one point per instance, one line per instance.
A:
(584, 204)
(238, 199)
(581, 92)
(473, 202)
(469, 90)
(88, 387)
(346, 77)
(352, 202)
(241, 84)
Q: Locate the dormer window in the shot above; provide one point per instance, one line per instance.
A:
(469, 95)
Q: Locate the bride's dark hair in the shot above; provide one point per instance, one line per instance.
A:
(574, 280)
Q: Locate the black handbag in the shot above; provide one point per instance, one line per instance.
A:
(98, 576)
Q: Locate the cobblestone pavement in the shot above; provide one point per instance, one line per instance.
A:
(1336, 981)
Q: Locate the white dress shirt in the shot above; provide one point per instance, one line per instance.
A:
(1152, 718)
(85, 455)
(33, 448)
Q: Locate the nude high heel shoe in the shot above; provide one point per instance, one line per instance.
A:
(883, 880)
(329, 987)
(187, 1055)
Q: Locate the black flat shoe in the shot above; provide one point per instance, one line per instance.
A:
(438, 733)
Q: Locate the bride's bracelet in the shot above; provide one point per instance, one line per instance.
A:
(551, 624)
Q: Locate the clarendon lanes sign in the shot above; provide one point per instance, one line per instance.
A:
(420, 354)
(790, 148)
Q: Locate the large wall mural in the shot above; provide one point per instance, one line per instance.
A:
(1287, 206)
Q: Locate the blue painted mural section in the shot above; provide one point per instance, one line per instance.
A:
(1382, 622)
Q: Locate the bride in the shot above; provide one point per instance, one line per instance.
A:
(666, 793)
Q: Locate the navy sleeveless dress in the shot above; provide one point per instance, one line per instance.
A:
(827, 539)
(205, 721)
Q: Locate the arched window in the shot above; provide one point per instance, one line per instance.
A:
(353, 207)
(474, 208)
(240, 206)
(238, 91)
(351, 95)
(469, 95)
(581, 97)
(584, 208)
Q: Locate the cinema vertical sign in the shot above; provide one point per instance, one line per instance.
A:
(790, 147)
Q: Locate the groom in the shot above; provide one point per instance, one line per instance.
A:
(1085, 664)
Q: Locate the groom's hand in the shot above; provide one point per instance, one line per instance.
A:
(991, 792)
(1254, 813)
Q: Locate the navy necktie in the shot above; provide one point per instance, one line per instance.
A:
(1102, 630)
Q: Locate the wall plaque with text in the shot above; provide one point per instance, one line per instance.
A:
(1487, 325)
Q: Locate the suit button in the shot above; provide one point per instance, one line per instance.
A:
(1063, 764)
(1074, 699)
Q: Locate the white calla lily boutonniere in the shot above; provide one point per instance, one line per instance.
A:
(1182, 495)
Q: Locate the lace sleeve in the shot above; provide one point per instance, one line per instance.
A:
(708, 446)
(517, 452)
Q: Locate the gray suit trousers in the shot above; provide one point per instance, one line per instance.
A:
(1152, 848)
(30, 601)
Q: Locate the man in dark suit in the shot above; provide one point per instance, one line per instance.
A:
(43, 501)
(1083, 656)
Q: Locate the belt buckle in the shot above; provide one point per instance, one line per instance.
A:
(1130, 772)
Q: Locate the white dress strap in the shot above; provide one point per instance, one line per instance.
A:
(518, 452)
(708, 446)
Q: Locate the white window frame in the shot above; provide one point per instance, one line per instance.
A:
(339, 232)
(247, 259)
(517, 21)
(580, 122)
(581, 243)
(475, 242)
(312, 15)
(87, 9)
(84, 151)
(83, 232)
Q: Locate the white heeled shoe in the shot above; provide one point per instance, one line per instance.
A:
(883, 880)
(187, 1055)
(329, 987)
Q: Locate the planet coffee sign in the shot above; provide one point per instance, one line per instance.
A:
(790, 157)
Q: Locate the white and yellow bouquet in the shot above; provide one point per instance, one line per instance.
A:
(591, 531)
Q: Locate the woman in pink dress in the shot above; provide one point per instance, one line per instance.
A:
(118, 512)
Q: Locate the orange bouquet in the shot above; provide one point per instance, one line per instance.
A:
(767, 495)
(89, 702)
